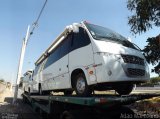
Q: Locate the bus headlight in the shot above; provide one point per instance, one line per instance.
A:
(112, 56)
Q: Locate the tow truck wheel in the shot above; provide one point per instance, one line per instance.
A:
(124, 89)
(66, 115)
(80, 85)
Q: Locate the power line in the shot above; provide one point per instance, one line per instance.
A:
(36, 22)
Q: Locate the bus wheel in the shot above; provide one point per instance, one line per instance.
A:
(124, 89)
(29, 91)
(81, 87)
(40, 90)
(24, 90)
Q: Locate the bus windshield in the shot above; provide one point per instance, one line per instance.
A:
(102, 33)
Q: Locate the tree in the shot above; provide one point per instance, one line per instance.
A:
(155, 80)
(152, 53)
(146, 13)
(1, 80)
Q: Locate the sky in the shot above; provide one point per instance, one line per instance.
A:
(16, 15)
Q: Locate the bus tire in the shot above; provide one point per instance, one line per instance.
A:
(29, 91)
(80, 85)
(40, 90)
(125, 89)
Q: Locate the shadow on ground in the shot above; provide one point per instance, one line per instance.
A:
(17, 111)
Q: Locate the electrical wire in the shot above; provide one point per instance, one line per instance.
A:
(36, 22)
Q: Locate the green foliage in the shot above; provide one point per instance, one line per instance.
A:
(152, 82)
(1, 80)
(146, 13)
(152, 52)
(155, 80)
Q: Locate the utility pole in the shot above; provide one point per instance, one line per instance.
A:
(25, 40)
(24, 44)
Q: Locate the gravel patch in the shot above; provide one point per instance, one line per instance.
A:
(149, 108)
(19, 110)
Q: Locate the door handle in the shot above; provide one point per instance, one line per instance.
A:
(67, 66)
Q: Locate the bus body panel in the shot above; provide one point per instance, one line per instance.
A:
(113, 63)
(63, 79)
(82, 57)
(50, 74)
(102, 60)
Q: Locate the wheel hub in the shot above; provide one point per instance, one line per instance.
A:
(80, 85)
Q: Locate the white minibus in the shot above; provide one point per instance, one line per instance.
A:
(27, 81)
(87, 57)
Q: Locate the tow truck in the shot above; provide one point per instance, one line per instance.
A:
(73, 107)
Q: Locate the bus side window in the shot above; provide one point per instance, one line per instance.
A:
(64, 47)
(80, 39)
(36, 69)
(53, 57)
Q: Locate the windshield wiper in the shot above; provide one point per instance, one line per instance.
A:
(107, 37)
(136, 46)
(132, 45)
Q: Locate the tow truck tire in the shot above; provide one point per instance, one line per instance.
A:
(80, 85)
(124, 89)
(66, 115)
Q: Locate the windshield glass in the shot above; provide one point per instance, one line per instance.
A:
(102, 33)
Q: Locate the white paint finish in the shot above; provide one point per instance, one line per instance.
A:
(63, 80)
(81, 57)
(57, 75)
(115, 48)
(50, 75)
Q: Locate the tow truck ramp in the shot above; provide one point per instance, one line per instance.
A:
(74, 107)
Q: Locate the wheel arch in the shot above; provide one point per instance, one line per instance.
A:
(76, 72)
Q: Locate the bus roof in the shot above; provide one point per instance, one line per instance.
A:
(52, 46)
(56, 42)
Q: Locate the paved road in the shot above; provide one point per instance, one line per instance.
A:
(146, 90)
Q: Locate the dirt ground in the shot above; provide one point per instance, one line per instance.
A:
(19, 110)
(149, 108)
(2, 87)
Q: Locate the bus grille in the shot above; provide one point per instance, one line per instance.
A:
(133, 59)
(135, 72)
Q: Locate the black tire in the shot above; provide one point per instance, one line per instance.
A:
(40, 90)
(124, 89)
(29, 91)
(66, 115)
(68, 92)
(24, 90)
(80, 85)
